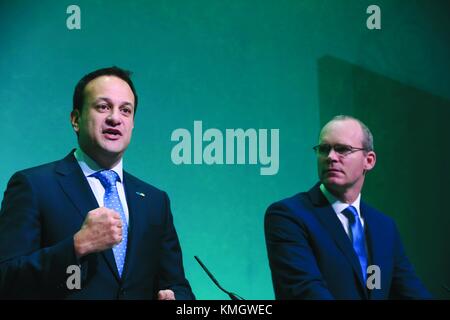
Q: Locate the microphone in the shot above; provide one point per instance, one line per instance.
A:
(233, 296)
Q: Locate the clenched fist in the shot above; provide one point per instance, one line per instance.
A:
(101, 230)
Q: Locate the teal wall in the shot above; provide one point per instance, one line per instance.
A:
(289, 65)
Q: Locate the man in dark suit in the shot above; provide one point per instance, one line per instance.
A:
(84, 215)
(328, 244)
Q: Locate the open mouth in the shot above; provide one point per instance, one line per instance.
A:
(111, 133)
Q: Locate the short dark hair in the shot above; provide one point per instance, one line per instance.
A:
(78, 94)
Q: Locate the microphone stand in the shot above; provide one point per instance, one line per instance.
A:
(233, 296)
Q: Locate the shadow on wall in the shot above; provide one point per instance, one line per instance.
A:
(410, 182)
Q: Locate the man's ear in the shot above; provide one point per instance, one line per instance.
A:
(371, 159)
(75, 120)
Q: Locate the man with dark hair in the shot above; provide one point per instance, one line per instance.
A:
(78, 94)
(328, 244)
(85, 216)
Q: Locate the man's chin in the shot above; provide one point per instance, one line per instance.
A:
(112, 151)
(332, 183)
(113, 147)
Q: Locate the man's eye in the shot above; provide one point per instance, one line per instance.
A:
(342, 149)
(102, 106)
(324, 149)
(126, 110)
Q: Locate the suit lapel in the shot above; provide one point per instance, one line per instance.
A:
(331, 222)
(75, 186)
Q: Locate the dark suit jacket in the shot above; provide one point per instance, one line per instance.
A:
(311, 256)
(42, 209)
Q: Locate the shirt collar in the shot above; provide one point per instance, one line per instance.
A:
(89, 166)
(337, 205)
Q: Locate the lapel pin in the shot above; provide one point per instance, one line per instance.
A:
(140, 194)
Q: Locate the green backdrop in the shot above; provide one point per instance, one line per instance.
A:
(289, 65)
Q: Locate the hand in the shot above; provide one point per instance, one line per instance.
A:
(166, 295)
(101, 230)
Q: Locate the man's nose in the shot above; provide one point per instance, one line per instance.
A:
(114, 117)
(332, 155)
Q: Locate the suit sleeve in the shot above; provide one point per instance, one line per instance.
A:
(295, 273)
(171, 272)
(26, 268)
(405, 283)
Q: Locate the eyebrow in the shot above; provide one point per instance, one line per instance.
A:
(110, 101)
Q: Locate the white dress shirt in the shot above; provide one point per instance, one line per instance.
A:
(339, 206)
(89, 167)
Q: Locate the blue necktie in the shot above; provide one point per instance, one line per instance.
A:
(108, 179)
(357, 237)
